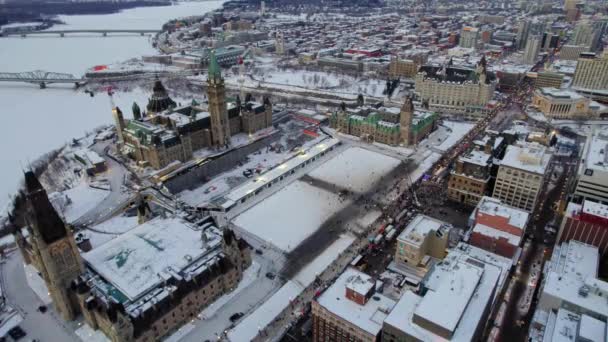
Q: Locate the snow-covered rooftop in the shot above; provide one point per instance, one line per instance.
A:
(416, 231)
(476, 157)
(592, 329)
(368, 317)
(136, 261)
(560, 94)
(595, 209)
(445, 305)
(596, 153)
(494, 207)
(456, 305)
(355, 169)
(496, 234)
(532, 158)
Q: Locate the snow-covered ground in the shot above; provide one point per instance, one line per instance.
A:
(37, 284)
(39, 120)
(247, 329)
(355, 169)
(288, 217)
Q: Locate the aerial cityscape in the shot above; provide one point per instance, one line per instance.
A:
(319, 170)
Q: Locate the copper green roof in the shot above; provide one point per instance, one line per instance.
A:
(214, 68)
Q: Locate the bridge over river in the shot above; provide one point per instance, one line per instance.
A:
(62, 33)
(41, 78)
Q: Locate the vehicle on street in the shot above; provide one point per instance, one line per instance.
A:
(270, 275)
(235, 317)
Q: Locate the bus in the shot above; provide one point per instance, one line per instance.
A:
(390, 235)
(356, 260)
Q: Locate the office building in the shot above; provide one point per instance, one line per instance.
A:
(521, 175)
(402, 67)
(591, 73)
(350, 309)
(592, 178)
(497, 227)
(470, 179)
(572, 52)
(423, 238)
(586, 222)
(468, 37)
(572, 300)
(532, 50)
(563, 104)
(548, 79)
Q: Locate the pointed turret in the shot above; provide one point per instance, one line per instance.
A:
(136, 111)
(42, 216)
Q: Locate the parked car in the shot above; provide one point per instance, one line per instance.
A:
(16, 333)
(236, 316)
(42, 308)
(270, 275)
(259, 252)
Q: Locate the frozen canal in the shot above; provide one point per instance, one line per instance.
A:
(34, 120)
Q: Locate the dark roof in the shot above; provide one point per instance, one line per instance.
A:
(453, 74)
(160, 99)
(41, 214)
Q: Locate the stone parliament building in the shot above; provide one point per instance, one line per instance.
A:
(166, 133)
(140, 286)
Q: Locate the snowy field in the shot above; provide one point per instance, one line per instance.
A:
(57, 114)
(289, 216)
(355, 169)
(267, 312)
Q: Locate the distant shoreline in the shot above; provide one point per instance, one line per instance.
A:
(20, 12)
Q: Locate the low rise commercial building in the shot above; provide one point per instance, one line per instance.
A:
(470, 179)
(586, 222)
(423, 238)
(592, 177)
(402, 67)
(564, 104)
(350, 310)
(521, 175)
(454, 301)
(497, 227)
(572, 299)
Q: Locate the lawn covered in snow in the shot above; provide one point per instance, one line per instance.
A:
(289, 216)
(355, 169)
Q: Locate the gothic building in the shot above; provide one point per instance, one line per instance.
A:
(167, 133)
(391, 126)
(140, 287)
(451, 89)
(50, 247)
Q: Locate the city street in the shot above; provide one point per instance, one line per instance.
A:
(46, 326)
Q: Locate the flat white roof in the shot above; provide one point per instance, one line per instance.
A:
(592, 329)
(135, 261)
(402, 315)
(560, 94)
(355, 169)
(596, 153)
(445, 305)
(476, 157)
(532, 157)
(361, 283)
(575, 258)
(495, 233)
(494, 207)
(415, 232)
(368, 317)
(564, 328)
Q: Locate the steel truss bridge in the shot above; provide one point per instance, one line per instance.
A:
(62, 33)
(41, 78)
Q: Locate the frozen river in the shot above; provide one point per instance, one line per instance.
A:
(34, 120)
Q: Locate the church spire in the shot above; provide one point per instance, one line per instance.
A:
(42, 215)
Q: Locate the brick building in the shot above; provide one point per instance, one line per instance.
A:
(588, 223)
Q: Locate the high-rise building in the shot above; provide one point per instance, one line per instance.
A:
(220, 127)
(533, 46)
(592, 179)
(521, 175)
(591, 72)
(548, 79)
(587, 34)
(279, 44)
(572, 52)
(468, 37)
